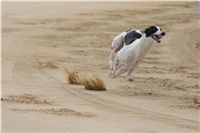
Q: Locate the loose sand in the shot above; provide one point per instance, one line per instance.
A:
(41, 40)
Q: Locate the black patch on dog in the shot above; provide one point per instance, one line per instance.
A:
(149, 31)
(131, 36)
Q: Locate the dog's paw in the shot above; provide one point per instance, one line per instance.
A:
(111, 75)
(130, 79)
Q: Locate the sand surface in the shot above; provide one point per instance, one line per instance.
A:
(40, 40)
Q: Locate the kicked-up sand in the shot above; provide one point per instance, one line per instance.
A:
(40, 40)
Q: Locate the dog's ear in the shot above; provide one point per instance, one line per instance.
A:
(147, 32)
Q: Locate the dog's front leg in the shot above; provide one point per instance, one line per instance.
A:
(130, 71)
(122, 70)
(129, 75)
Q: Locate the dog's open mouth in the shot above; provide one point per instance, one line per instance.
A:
(157, 37)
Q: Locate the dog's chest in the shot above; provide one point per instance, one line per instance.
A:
(143, 49)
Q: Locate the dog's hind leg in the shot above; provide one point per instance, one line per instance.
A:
(115, 68)
(112, 59)
(117, 44)
(114, 53)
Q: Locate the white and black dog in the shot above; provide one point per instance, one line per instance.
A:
(129, 47)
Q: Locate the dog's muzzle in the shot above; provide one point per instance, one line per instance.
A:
(158, 37)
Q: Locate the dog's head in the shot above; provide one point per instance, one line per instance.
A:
(154, 32)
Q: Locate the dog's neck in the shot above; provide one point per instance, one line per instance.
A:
(147, 40)
(146, 43)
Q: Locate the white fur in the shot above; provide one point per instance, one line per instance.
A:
(127, 58)
(117, 41)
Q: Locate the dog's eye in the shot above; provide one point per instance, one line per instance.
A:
(154, 29)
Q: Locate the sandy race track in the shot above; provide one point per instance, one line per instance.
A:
(40, 40)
